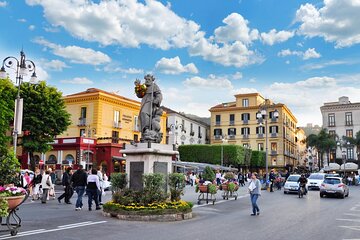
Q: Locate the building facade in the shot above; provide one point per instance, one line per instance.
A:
(101, 123)
(342, 118)
(236, 123)
(182, 129)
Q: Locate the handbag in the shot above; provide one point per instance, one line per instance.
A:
(48, 181)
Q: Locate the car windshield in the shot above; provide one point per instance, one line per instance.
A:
(293, 178)
(316, 176)
(332, 181)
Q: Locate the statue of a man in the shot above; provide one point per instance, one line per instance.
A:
(150, 111)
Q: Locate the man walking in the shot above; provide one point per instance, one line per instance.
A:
(79, 179)
(66, 180)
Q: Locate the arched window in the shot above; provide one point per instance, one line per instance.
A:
(68, 159)
(52, 159)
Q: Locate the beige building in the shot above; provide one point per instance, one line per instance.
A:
(301, 149)
(236, 123)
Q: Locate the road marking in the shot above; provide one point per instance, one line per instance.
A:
(352, 214)
(354, 209)
(356, 228)
(351, 220)
(59, 228)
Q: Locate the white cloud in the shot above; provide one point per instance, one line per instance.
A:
(276, 37)
(174, 66)
(243, 91)
(328, 64)
(112, 68)
(78, 80)
(3, 4)
(287, 62)
(32, 27)
(309, 53)
(335, 21)
(76, 54)
(211, 81)
(54, 65)
(22, 20)
(236, 29)
(237, 76)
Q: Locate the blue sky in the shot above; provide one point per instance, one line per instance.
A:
(202, 52)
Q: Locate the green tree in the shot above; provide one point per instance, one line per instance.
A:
(7, 103)
(44, 117)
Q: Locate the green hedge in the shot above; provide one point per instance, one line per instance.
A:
(233, 154)
(257, 159)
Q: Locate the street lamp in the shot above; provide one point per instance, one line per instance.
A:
(340, 144)
(174, 130)
(261, 115)
(224, 140)
(22, 67)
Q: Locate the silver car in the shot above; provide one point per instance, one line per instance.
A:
(334, 186)
(291, 185)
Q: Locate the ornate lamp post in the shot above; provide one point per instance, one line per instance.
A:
(224, 140)
(261, 115)
(340, 143)
(174, 130)
(22, 67)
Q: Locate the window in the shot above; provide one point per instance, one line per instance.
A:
(274, 129)
(83, 112)
(260, 130)
(348, 119)
(245, 117)
(232, 119)
(274, 146)
(199, 132)
(349, 133)
(245, 131)
(260, 147)
(331, 120)
(136, 123)
(217, 132)
(115, 137)
(116, 117)
(217, 119)
(191, 128)
(136, 138)
(246, 145)
(232, 131)
(82, 132)
(245, 102)
(350, 153)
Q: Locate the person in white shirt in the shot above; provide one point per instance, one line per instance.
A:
(92, 189)
(46, 184)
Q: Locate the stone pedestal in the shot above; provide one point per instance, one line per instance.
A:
(145, 158)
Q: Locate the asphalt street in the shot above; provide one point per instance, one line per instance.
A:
(282, 217)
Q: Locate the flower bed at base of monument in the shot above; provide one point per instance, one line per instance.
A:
(152, 203)
(165, 211)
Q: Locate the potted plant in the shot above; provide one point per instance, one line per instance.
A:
(10, 195)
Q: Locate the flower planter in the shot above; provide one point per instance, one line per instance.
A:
(14, 201)
(203, 188)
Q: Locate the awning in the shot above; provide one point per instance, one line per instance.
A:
(349, 166)
(118, 158)
(334, 166)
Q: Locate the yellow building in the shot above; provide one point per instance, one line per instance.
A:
(101, 122)
(236, 123)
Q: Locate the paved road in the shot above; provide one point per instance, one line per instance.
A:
(282, 217)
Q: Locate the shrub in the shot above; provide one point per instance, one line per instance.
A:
(229, 175)
(177, 185)
(118, 181)
(209, 174)
(9, 168)
(154, 188)
(212, 188)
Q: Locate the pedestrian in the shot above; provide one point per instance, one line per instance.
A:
(101, 182)
(218, 177)
(272, 179)
(241, 178)
(36, 182)
(27, 180)
(66, 182)
(79, 180)
(92, 188)
(53, 180)
(255, 192)
(46, 184)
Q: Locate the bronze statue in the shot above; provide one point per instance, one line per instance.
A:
(150, 111)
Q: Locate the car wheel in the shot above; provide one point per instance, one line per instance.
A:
(343, 196)
(285, 192)
(347, 195)
(321, 195)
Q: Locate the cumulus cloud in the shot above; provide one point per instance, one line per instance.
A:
(174, 66)
(113, 69)
(328, 64)
(76, 54)
(54, 65)
(78, 80)
(237, 76)
(236, 29)
(32, 27)
(335, 21)
(309, 53)
(22, 20)
(3, 3)
(211, 81)
(276, 37)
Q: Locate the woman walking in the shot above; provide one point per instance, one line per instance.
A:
(255, 192)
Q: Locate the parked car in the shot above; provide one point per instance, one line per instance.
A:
(315, 180)
(334, 186)
(291, 184)
(332, 175)
(31, 173)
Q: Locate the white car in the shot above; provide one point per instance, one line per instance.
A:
(315, 180)
(291, 184)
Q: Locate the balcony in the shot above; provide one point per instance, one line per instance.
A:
(245, 121)
(117, 125)
(348, 123)
(273, 135)
(232, 123)
(246, 136)
(331, 124)
(217, 137)
(82, 122)
(192, 133)
(260, 135)
(273, 152)
(231, 137)
(274, 120)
